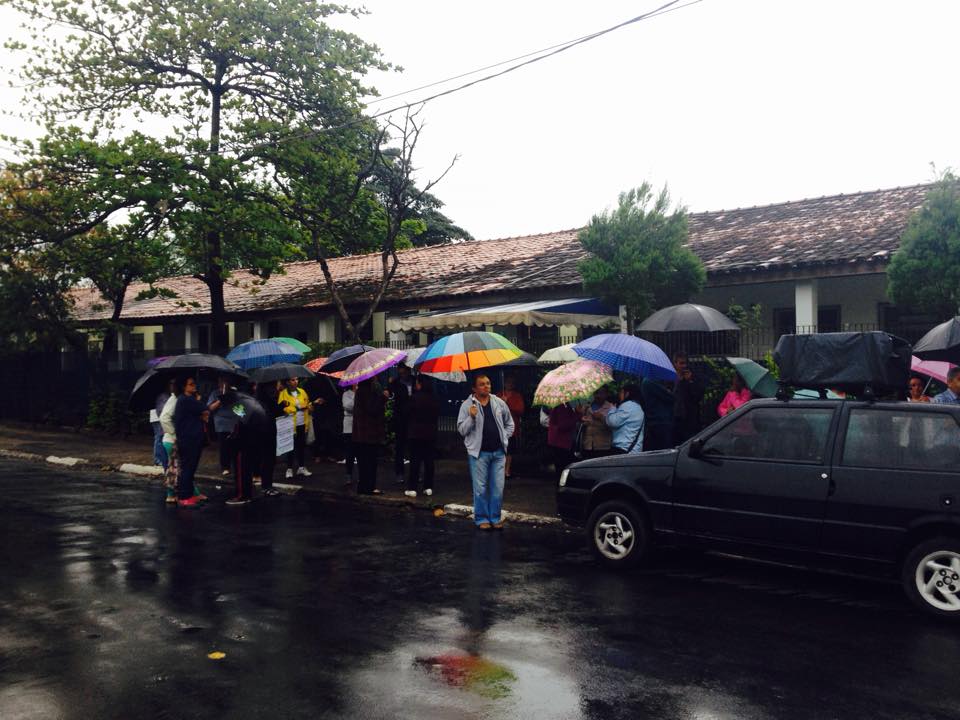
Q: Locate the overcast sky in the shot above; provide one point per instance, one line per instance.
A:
(730, 102)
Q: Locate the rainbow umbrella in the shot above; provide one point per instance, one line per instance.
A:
(469, 350)
(576, 380)
(370, 364)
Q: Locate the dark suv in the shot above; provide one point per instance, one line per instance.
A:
(872, 484)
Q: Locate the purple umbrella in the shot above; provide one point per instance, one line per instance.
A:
(153, 362)
(370, 364)
(628, 354)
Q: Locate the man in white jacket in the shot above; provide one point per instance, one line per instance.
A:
(485, 423)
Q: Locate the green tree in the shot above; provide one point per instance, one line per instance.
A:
(352, 193)
(81, 211)
(924, 273)
(231, 80)
(638, 257)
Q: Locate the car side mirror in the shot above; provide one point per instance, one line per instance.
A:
(696, 448)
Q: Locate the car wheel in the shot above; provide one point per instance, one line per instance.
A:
(931, 577)
(618, 534)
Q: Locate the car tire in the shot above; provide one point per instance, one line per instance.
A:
(618, 534)
(931, 577)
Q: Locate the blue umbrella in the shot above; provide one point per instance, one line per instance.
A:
(260, 353)
(628, 354)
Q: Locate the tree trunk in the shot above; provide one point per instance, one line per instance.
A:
(219, 337)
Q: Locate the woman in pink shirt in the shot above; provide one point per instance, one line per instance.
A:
(735, 397)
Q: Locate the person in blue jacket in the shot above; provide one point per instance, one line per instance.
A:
(626, 421)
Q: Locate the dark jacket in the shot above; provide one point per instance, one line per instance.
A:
(658, 402)
(188, 421)
(327, 415)
(687, 395)
(423, 413)
(369, 426)
(400, 393)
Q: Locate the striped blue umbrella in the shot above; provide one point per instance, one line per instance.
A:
(628, 354)
(260, 353)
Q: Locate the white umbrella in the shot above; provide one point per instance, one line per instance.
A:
(413, 354)
(562, 354)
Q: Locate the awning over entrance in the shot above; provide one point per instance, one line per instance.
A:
(581, 312)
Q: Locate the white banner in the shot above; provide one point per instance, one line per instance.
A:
(285, 433)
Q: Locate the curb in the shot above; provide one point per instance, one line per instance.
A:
(452, 509)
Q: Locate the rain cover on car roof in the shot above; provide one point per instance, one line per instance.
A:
(846, 361)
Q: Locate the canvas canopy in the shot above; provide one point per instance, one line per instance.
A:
(580, 312)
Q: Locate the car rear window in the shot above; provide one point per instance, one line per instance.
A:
(791, 433)
(880, 438)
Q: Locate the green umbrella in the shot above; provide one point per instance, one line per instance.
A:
(763, 384)
(300, 347)
(756, 376)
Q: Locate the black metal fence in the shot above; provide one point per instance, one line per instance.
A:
(67, 388)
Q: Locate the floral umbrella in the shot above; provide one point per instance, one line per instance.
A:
(317, 363)
(370, 364)
(576, 380)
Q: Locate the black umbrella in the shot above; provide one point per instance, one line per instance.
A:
(249, 411)
(148, 386)
(203, 361)
(341, 359)
(687, 318)
(526, 360)
(941, 343)
(280, 371)
(154, 381)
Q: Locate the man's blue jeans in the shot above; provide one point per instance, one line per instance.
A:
(486, 472)
(159, 454)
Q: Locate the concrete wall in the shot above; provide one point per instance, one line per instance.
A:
(859, 297)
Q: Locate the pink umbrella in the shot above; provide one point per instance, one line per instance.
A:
(370, 364)
(937, 369)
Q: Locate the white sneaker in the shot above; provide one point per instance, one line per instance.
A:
(289, 474)
(410, 493)
(406, 462)
(428, 492)
(303, 471)
(342, 462)
(225, 473)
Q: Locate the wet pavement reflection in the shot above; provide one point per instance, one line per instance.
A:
(113, 605)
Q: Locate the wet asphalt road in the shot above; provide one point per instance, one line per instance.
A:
(110, 603)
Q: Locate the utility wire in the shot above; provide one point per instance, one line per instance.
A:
(583, 38)
(662, 10)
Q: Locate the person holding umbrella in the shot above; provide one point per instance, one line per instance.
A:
(485, 424)
(172, 469)
(423, 413)
(224, 424)
(296, 402)
(950, 396)
(627, 421)
(268, 394)
(188, 420)
(737, 395)
(687, 394)
(369, 433)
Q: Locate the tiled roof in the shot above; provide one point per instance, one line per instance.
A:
(863, 227)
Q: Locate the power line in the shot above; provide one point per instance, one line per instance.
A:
(662, 10)
(583, 38)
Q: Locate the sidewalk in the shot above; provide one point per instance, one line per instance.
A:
(533, 496)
